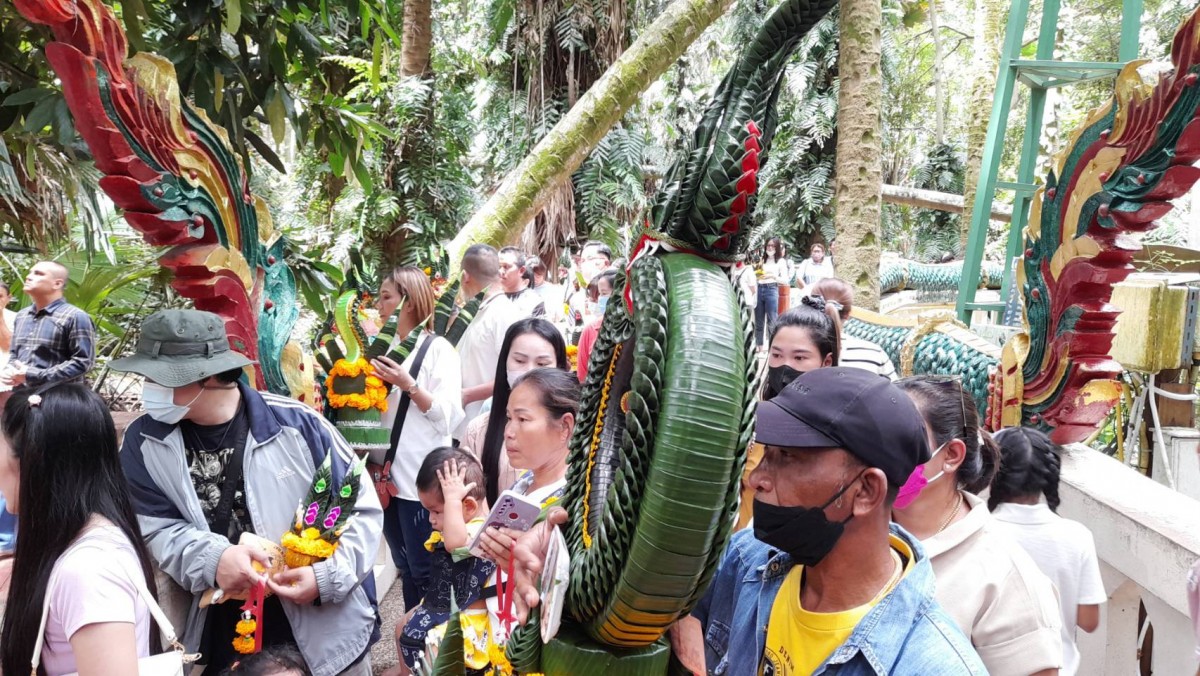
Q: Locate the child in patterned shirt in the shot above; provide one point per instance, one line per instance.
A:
(450, 485)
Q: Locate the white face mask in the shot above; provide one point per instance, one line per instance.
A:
(159, 403)
(514, 375)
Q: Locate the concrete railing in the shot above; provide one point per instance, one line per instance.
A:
(1147, 537)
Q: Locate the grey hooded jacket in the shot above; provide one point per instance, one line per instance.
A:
(287, 441)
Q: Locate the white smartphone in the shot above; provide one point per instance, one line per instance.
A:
(512, 510)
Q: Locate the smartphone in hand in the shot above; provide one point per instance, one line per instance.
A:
(513, 511)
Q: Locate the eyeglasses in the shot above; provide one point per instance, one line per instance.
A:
(955, 380)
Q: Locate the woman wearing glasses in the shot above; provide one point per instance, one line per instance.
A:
(985, 581)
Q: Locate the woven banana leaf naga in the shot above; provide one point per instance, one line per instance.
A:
(1116, 177)
(898, 275)
(175, 176)
(355, 398)
(668, 404)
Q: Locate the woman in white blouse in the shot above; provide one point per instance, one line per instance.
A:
(985, 581)
(434, 410)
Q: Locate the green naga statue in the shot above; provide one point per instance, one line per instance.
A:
(667, 409)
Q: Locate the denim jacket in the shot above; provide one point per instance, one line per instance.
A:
(906, 633)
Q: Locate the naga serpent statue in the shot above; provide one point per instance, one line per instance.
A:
(1117, 176)
(179, 183)
(667, 409)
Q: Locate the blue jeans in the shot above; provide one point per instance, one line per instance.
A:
(406, 528)
(8, 528)
(765, 312)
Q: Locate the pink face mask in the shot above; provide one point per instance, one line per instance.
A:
(916, 483)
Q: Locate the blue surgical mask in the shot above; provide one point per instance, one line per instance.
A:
(601, 304)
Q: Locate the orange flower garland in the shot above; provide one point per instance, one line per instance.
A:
(375, 394)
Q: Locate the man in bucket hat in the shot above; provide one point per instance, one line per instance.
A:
(212, 459)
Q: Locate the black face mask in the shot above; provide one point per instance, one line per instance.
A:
(779, 377)
(805, 533)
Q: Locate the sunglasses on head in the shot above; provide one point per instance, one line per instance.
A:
(952, 381)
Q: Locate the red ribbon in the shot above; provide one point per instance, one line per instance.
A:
(504, 593)
(254, 606)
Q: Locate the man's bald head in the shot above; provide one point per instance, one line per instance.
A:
(481, 263)
(57, 270)
(46, 282)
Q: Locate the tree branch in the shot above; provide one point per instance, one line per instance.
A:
(941, 201)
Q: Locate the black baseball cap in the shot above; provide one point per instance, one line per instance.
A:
(848, 408)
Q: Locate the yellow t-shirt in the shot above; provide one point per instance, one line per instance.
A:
(799, 641)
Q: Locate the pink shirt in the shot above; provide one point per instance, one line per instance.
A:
(587, 339)
(92, 582)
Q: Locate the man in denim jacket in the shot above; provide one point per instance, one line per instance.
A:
(858, 591)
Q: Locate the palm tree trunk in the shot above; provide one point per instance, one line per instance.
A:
(417, 38)
(989, 32)
(859, 174)
(560, 152)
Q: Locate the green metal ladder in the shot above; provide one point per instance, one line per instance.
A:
(1039, 74)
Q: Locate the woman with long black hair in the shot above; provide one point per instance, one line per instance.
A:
(529, 344)
(79, 545)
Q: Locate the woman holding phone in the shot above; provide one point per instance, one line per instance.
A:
(541, 418)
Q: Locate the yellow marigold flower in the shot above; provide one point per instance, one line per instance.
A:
(374, 381)
(246, 627)
(244, 644)
(308, 544)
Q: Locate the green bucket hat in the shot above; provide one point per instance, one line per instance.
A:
(180, 347)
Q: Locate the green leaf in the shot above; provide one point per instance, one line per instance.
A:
(31, 95)
(277, 115)
(363, 174)
(376, 60)
(41, 115)
(218, 89)
(64, 124)
(233, 16)
(264, 150)
(329, 269)
(365, 10)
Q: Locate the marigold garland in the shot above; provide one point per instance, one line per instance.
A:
(310, 544)
(244, 644)
(246, 627)
(374, 396)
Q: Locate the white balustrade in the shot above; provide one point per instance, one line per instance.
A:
(1147, 537)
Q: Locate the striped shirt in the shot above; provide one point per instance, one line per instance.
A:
(862, 354)
(55, 343)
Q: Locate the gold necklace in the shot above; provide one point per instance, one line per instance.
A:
(953, 513)
(897, 570)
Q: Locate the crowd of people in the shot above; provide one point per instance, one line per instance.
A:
(864, 545)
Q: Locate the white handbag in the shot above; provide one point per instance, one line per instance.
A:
(170, 663)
